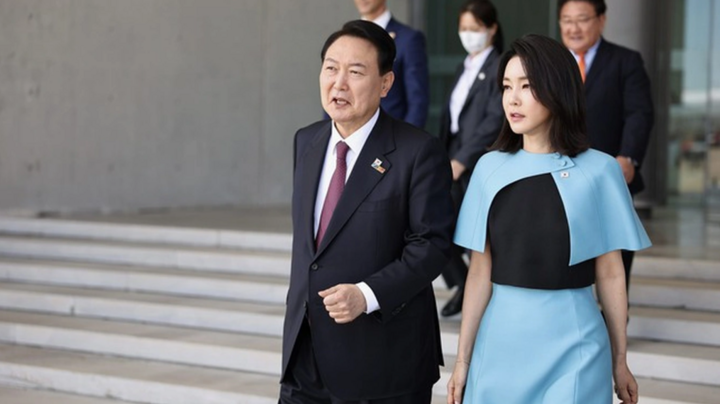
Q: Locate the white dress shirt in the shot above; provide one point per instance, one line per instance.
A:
(465, 82)
(355, 142)
(383, 19)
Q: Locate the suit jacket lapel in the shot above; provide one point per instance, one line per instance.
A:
(313, 158)
(392, 27)
(477, 83)
(598, 65)
(363, 178)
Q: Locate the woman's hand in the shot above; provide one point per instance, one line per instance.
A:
(456, 385)
(626, 387)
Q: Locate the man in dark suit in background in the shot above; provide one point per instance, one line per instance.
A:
(372, 226)
(617, 90)
(409, 98)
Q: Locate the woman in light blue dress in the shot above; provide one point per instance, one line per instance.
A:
(545, 218)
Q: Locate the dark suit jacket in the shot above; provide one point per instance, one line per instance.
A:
(391, 230)
(409, 97)
(619, 105)
(480, 119)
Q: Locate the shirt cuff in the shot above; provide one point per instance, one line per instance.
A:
(370, 299)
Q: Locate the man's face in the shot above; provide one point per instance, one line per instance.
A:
(350, 83)
(580, 26)
(370, 9)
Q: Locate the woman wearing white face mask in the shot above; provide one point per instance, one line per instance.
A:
(472, 116)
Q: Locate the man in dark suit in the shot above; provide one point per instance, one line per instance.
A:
(617, 90)
(409, 98)
(372, 226)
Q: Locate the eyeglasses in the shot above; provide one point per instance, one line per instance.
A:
(582, 22)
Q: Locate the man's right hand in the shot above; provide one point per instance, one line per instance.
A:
(628, 168)
(344, 302)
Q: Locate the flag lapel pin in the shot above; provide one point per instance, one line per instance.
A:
(377, 165)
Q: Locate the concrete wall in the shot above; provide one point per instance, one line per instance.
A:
(128, 104)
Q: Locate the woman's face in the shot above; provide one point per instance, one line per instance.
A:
(474, 35)
(525, 114)
(469, 23)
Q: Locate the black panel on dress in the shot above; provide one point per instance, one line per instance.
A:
(530, 238)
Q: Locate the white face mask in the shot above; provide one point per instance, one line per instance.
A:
(473, 41)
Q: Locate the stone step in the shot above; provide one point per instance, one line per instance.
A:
(646, 263)
(146, 234)
(180, 257)
(219, 315)
(238, 316)
(677, 268)
(86, 380)
(210, 314)
(219, 285)
(132, 380)
(17, 395)
(675, 325)
(223, 350)
(167, 383)
(646, 291)
(676, 362)
(675, 293)
(262, 354)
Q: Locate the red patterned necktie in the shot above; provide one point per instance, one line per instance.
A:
(337, 185)
(581, 65)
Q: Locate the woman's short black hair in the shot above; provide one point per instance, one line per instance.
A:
(371, 32)
(485, 12)
(555, 82)
(599, 6)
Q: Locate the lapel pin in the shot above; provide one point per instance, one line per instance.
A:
(564, 174)
(481, 76)
(392, 34)
(377, 165)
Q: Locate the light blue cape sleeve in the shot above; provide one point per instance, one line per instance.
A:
(470, 231)
(606, 220)
(598, 206)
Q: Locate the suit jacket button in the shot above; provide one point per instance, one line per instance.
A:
(314, 267)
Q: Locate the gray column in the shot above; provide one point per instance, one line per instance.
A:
(643, 25)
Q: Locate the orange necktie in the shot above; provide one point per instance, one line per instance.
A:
(581, 64)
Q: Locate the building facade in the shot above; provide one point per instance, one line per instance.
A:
(145, 104)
